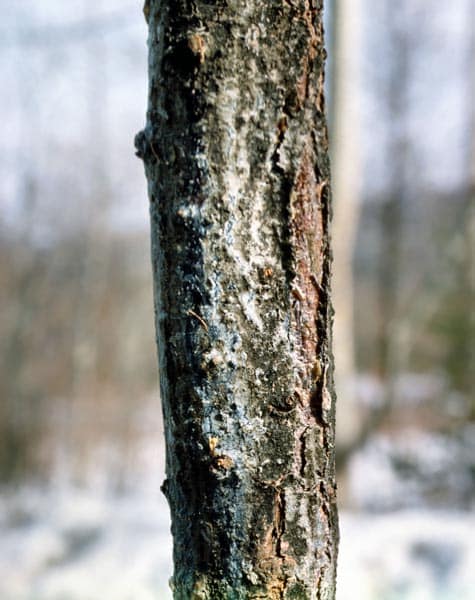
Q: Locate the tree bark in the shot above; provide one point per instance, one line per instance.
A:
(236, 157)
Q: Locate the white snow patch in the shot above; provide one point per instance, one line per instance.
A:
(413, 555)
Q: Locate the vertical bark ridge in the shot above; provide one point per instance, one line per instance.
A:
(236, 157)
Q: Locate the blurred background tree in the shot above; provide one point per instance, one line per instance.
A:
(76, 330)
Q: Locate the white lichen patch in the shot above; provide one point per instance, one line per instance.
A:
(250, 308)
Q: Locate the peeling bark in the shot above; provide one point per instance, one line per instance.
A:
(236, 157)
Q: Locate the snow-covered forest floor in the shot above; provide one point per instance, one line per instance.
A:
(71, 544)
(86, 542)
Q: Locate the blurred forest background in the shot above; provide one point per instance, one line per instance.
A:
(81, 449)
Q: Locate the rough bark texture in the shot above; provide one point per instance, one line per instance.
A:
(235, 150)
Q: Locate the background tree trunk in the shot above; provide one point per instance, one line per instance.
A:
(392, 322)
(235, 150)
(346, 176)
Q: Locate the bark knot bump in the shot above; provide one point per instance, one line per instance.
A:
(141, 144)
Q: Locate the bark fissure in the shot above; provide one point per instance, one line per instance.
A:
(302, 453)
(235, 151)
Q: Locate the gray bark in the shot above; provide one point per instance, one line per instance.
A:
(235, 152)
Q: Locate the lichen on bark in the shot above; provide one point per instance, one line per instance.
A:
(236, 157)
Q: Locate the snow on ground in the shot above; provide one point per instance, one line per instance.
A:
(72, 544)
(68, 542)
(76, 544)
(408, 555)
(412, 468)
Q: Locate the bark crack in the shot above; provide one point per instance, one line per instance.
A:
(279, 525)
(278, 534)
(285, 194)
(302, 453)
(323, 315)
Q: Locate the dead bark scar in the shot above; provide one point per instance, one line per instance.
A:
(197, 45)
(303, 88)
(273, 558)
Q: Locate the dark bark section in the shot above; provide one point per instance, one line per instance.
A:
(235, 151)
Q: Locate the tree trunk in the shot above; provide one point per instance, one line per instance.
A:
(235, 151)
(346, 172)
(390, 347)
